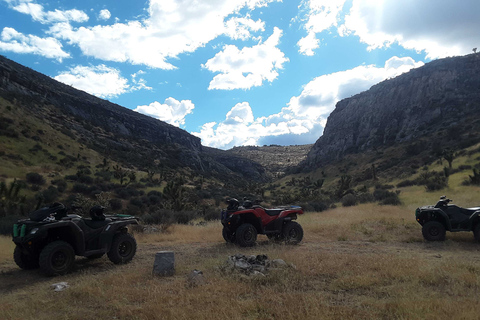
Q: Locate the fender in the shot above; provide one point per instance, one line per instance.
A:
(430, 213)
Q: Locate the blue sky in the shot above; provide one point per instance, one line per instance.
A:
(236, 72)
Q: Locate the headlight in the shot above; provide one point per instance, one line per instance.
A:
(34, 230)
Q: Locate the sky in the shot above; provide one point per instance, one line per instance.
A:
(236, 72)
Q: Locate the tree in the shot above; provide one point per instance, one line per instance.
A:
(449, 155)
(119, 173)
(10, 199)
(174, 194)
(474, 50)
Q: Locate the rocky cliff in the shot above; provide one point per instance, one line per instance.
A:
(439, 101)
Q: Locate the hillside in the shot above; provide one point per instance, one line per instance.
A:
(112, 131)
(422, 112)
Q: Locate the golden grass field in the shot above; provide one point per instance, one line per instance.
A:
(363, 262)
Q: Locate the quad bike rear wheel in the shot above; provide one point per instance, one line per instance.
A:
(57, 258)
(292, 233)
(26, 261)
(123, 248)
(476, 232)
(246, 235)
(433, 231)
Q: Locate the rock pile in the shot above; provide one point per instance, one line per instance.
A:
(252, 265)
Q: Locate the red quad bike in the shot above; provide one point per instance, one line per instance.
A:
(241, 224)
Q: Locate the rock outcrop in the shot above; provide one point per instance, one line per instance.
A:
(440, 99)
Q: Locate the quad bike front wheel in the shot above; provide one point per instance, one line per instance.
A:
(123, 248)
(433, 231)
(246, 235)
(228, 235)
(292, 233)
(57, 258)
(26, 261)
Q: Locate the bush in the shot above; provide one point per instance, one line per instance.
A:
(365, 197)
(349, 200)
(6, 224)
(116, 204)
(50, 195)
(184, 217)
(35, 178)
(85, 179)
(406, 183)
(159, 217)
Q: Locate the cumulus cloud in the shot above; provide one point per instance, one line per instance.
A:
(431, 26)
(14, 41)
(171, 28)
(100, 81)
(37, 12)
(303, 119)
(239, 28)
(172, 111)
(248, 67)
(321, 15)
(428, 26)
(104, 14)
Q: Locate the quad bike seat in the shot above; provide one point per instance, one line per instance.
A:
(273, 212)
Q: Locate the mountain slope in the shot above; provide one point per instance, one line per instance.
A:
(427, 110)
(114, 132)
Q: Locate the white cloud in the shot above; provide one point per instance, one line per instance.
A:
(248, 67)
(304, 118)
(440, 28)
(14, 41)
(36, 11)
(172, 111)
(321, 15)
(239, 28)
(171, 28)
(100, 81)
(104, 14)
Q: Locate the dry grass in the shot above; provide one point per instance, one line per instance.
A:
(365, 262)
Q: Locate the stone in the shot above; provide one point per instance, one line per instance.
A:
(164, 264)
(196, 278)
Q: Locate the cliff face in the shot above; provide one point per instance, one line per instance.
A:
(439, 99)
(114, 131)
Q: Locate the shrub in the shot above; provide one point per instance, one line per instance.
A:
(159, 217)
(82, 188)
(61, 185)
(184, 217)
(349, 200)
(35, 178)
(50, 195)
(116, 204)
(365, 197)
(85, 179)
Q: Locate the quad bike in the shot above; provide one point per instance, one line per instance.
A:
(442, 217)
(241, 224)
(51, 238)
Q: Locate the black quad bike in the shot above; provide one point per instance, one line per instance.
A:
(51, 238)
(241, 224)
(442, 217)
